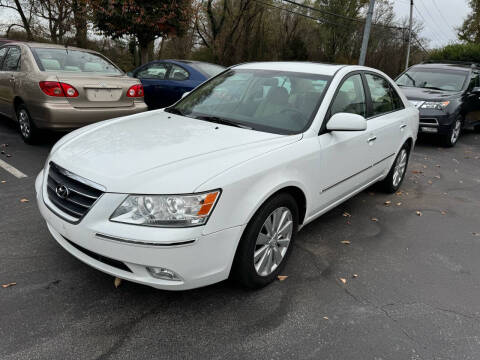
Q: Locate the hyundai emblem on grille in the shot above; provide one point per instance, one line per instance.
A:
(62, 191)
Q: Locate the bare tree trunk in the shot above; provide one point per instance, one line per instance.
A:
(25, 22)
(79, 8)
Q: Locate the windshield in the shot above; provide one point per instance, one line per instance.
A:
(448, 80)
(66, 60)
(208, 69)
(273, 101)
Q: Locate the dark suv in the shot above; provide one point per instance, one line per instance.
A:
(447, 95)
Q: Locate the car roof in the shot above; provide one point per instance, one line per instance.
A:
(295, 66)
(445, 66)
(48, 46)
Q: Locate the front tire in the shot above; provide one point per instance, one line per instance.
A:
(28, 130)
(266, 242)
(450, 139)
(397, 172)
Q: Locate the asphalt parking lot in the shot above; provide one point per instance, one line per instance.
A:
(407, 286)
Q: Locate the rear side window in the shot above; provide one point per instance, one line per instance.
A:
(178, 73)
(66, 60)
(11, 61)
(3, 51)
(384, 97)
(156, 71)
(350, 97)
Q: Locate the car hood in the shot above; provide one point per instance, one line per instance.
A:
(414, 93)
(157, 152)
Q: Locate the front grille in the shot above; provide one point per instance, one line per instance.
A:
(70, 193)
(103, 259)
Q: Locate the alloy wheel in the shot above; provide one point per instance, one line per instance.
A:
(456, 132)
(24, 122)
(400, 167)
(273, 241)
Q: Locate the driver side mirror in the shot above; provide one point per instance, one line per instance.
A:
(476, 90)
(347, 122)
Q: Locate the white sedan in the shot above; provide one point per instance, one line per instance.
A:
(218, 184)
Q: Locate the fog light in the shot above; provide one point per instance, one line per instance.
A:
(163, 273)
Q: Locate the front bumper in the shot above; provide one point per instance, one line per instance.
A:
(199, 259)
(63, 116)
(435, 122)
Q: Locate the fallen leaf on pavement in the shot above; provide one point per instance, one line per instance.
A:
(345, 242)
(117, 282)
(346, 214)
(9, 284)
(425, 166)
(355, 276)
(443, 212)
(437, 165)
(419, 213)
(371, 193)
(24, 200)
(8, 155)
(374, 219)
(430, 182)
(343, 280)
(325, 317)
(475, 234)
(387, 203)
(399, 203)
(3, 181)
(437, 177)
(399, 193)
(417, 172)
(282, 277)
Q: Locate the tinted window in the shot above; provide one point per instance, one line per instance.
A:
(178, 73)
(153, 71)
(384, 98)
(66, 60)
(208, 69)
(11, 61)
(273, 101)
(350, 97)
(474, 81)
(440, 79)
(3, 51)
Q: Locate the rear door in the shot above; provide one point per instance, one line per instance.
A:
(153, 77)
(9, 69)
(178, 82)
(386, 121)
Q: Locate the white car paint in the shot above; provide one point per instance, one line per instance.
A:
(161, 153)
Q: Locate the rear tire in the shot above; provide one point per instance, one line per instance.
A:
(28, 130)
(451, 138)
(263, 250)
(397, 172)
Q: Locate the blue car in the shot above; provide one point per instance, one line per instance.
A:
(165, 81)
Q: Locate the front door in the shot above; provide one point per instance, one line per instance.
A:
(345, 160)
(472, 101)
(153, 77)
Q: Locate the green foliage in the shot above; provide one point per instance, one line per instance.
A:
(457, 52)
(470, 30)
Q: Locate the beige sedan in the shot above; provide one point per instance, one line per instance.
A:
(54, 87)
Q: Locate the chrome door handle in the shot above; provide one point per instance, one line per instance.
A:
(373, 138)
(403, 126)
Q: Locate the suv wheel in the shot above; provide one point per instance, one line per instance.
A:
(27, 128)
(397, 172)
(451, 138)
(266, 242)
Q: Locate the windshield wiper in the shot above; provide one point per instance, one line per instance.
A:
(411, 78)
(433, 88)
(173, 110)
(218, 120)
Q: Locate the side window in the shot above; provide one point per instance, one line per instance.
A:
(474, 81)
(382, 95)
(178, 73)
(397, 100)
(11, 61)
(350, 97)
(154, 71)
(3, 51)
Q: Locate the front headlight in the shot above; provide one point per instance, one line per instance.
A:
(439, 105)
(166, 210)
